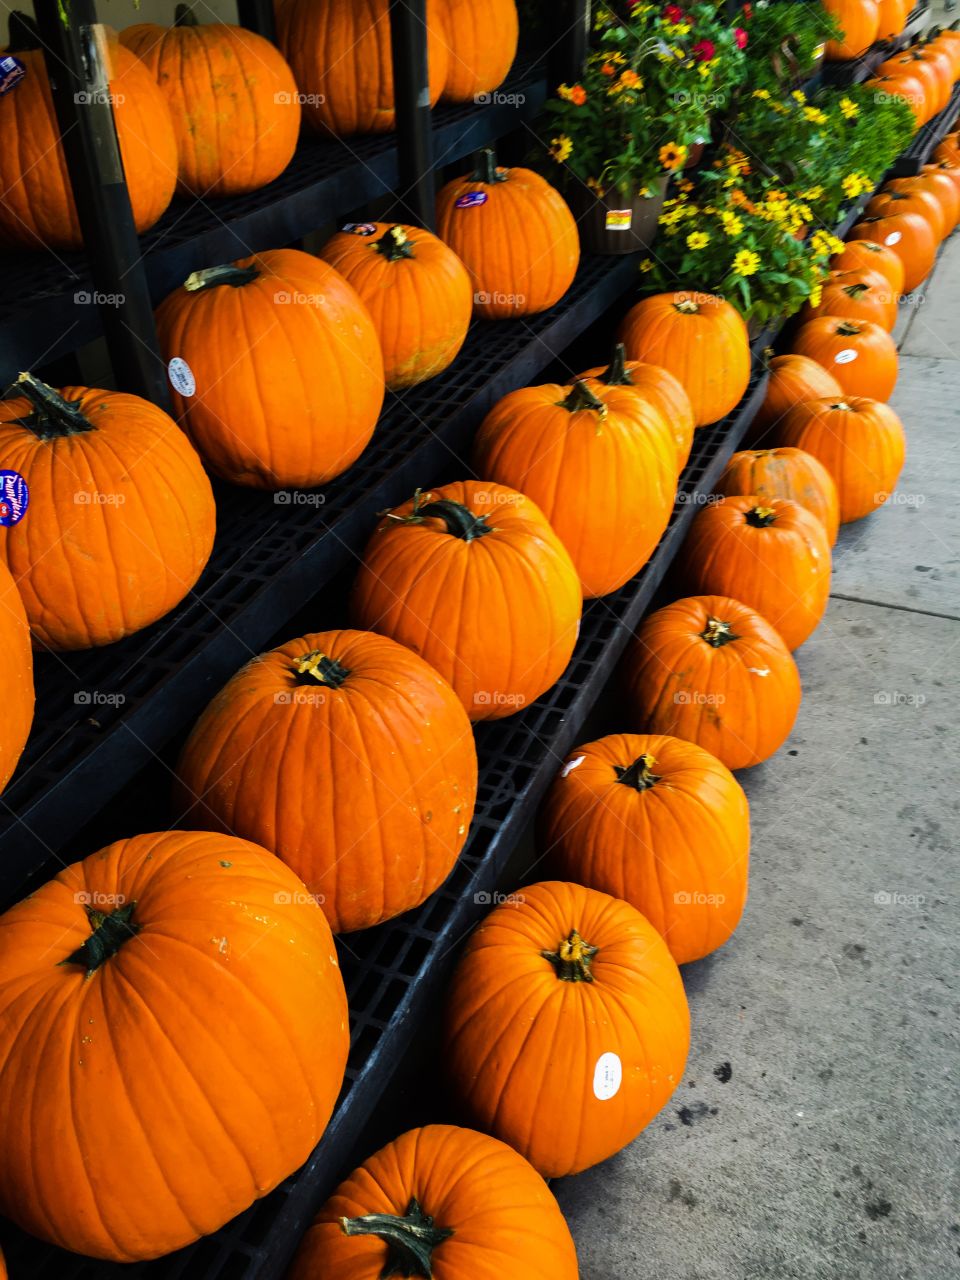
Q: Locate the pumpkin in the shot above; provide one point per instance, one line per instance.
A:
(912, 89)
(37, 208)
(861, 442)
(439, 1201)
(3, 1267)
(599, 462)
(121, 518)
(482, 39)
(417, 291)
(792, 379)
(948, 41)
(860, 355)
(910, 236)
(16, 675)
(942, 65)
(947, 150)
(941, 186)
(773, 553)
(945, 168)
(472, 577)
(931, 69)
(893, 16)
(784, 473)
(856, 295)
(701, 340)
(712, 671)
(566, 1026)
(657, 386)
(348, 757)
(924, 203)
(294, 403)
(867, 255)
(514, 234)
(660, 823)
(176, 1001)
(859, 21)
(340, 55)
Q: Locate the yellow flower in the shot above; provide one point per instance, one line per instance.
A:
(704, 69)
(561, 148)
(565, 92)
(630, 80)
(595, 187)
(681, 29)
(812, 193)
(815, 115)
(775, 196)
(732, 225)
(799, 96)
(647, 265)
(849, 109)
(672, 155)
(698, 240)
(670, 217)
(816, 294)
(761, 93)
(685, 185)
(852, 186)
(746, 262)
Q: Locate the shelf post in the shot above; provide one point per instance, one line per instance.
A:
(257, 15)
(568, 53)
(411, 91)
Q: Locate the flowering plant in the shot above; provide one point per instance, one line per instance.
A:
(786, 41)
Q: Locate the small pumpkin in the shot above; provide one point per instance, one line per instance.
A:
(859, 21)
(417, 291)
(860, 355)
(297, 401)
(599, 462)
(893, 16)
(16, 675)
(856, 295)
(472, 577)
(603, 1037)
(701, 340)
(793, 379)
(785, 473)
(861, 442)
(924, 203)
(176, 1000)
(439, 1201)
(712, 671)
(514, 234)
(482, 39)
(121, 518)
(949, 169)
(867, 255)
(660, 823)
(347, 756)
(910, 236)
(940, 185)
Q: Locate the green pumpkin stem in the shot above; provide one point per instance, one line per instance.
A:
(760, 517)
(410, 1239)
(52, 416)
(856, 290)
(211, 277)
(486, 168)
(616, 373)
(572, 959)
(638, 775)
(580, 397)
(23, 35)
(717, 633)
(687, 307)
(461, 522)
(393, 244)
(183, 16)
(316, 668)
(110, 931)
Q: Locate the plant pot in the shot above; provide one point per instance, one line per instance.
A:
(608, 224)
(694, 156)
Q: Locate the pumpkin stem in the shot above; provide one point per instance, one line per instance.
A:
(856, 290)
(842, 404)
(847, 329)
(486, 170)
(461, 522)
(317, 667)
(23, 34)
(229, 274)
(183, 16)
(410, 1239)
(581, 397)
(572, 959)
(393, 244)
(638, 775)
(760, 517)
(110, 931)
(616, 373)
(687, 307)
(717, 633)
(52, 416)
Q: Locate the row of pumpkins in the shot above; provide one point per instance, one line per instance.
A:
(215, 110)
(174, 1001)
(923, 74)
(864, 23)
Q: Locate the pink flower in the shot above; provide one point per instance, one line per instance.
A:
(704, 50)
(673, 13)
(740, 37)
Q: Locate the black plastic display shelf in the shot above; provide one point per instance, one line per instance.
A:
(927, 139)
(46, 308)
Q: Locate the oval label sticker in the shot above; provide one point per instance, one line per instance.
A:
(181, 376)
(469, 200)
(607, 1077)
(360, 228)
(894, 237)
(14, 498)
(846, 356)
(571, 765)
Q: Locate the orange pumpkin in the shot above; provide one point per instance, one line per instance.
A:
(910, 236)
(860, 355)
(472, 577)
(701, 340)
(793, 379)
(867, 255)
(859, 21)
(482, 39)
(948, 40)
(893, 16)
(176, 998)
(16, 674)
(949, 169)
(604, 1022)
(661, 824)
(417, 291)
(711, 671)
(942, 65)
(599, 462)
(514, 234)
(855, 295)
(941, 186)
(924, 203)
(912, 89)
(861, 442)
(439, 1201)
(948, 150)
(784, 473)
(296, 402)
(928, 72)
(121, 517)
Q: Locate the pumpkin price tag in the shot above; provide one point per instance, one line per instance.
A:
(14, 498)
(846, 356)
(181, 376)
(571, 765)
(619, 219)
(894, 238)
(12, 72)
(607, 1077)
(360, 228)
(471, 199)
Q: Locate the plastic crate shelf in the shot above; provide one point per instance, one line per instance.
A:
(927, 139)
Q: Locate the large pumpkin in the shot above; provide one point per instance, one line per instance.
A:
(867, 255)
(911, 237)
(340, 54)
(929, 71)
(701, 340)
(916, 200)
(785, 473)
(946, 168)
(439, 1201)
(792, 380)
(482, 39)
(937, 183)
(175, 1002)
(293, 403)
(37, 209)
(861, 355)
(773, 553)
(859, 21)
(233, 101)
(121, 517)
(910, 88)
(348, 757)
(514, 234)
(472, 577)
(712, 671)
(660, 823)
(893, 16)
(16, 675)
(599, 462)
(861, 442)
(567, 1026)
(417, 291)
(856, 295)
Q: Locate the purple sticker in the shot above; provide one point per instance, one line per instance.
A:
(14, 497)
(12, 72)
(470, 199)
(360, 228)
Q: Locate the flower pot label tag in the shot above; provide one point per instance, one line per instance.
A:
(469, 200)
(12, 72)
(14, 498)
(181, 376)
(819, 51)
(894, 238)
(619, 219)
(846, 356)
(607, 1077)
(360, 228)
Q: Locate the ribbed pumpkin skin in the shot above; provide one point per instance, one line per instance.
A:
(603, 477)
(191, 1072)
(497, 1206)
(859, 20)
(677, 849)
(365, 790)
(36, 200)
(861, 356)
(482, 39)
(928, 73)
(666, 394)
(948, 150)
(233, 102)
(420, 305)
(339, 52)
(949, 169)
(781, 569)
(910, 236)
(893, 16)
(911, 88)
(867, 255)
(921, 202)
(297, 402)
(701, 340)
(497, 616)
(785, 473)
(861, 442)
(856, 295)
(522, 1045)
(16, 676)
(793, 379)
(120, 524)
(938, 184)
(738, 700)
(520, 246)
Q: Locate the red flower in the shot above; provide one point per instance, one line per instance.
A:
(747, 12)
(704, 50)
(673, 13)
(740, 37)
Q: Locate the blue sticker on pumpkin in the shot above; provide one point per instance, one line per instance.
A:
(470, 199)
(14, 498)
(12, 72)
(360, 228)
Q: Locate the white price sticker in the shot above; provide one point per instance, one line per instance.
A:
(894, 238)
(181, 376)
(573, 764)
(846, 356)
(607, 1076)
